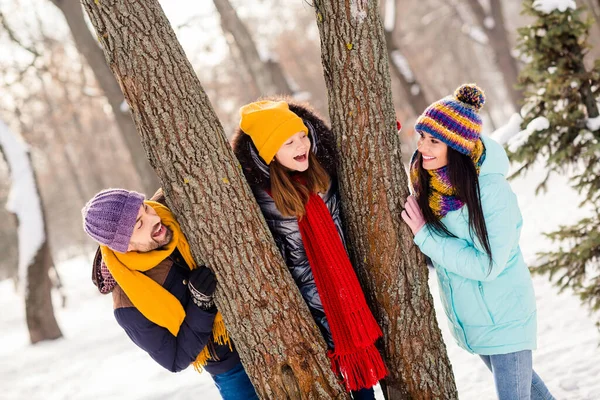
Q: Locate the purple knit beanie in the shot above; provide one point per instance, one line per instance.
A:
(109, 217)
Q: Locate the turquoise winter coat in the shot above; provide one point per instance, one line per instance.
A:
(489, 311)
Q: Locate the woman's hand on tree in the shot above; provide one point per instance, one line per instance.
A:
(412, 215)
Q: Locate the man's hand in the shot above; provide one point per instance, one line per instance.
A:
(202, 285)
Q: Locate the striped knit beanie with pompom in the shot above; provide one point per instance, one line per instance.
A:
(455, 119)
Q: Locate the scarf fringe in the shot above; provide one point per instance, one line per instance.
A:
(201, 360)
(220, 336)
(361, 369)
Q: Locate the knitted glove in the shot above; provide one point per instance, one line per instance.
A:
(202, 285)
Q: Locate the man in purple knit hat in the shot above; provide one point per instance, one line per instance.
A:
(160, 298)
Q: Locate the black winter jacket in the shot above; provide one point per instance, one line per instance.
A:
(285, 229)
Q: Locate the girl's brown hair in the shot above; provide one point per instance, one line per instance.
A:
(291, 193)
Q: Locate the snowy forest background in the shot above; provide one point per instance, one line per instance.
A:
(59, 103)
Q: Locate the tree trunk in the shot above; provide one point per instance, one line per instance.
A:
(87, 45)
(495, 29)
(39, 312)
(413, 90)
(593, 7)
(585, 89)
(59, 136)
(280, 346)
(263, 73)
(373, 187)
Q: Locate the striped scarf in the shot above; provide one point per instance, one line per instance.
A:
(442, 195)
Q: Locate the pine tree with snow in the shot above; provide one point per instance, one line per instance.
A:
(562, 128)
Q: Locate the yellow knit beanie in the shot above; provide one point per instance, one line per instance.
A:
(269, 124)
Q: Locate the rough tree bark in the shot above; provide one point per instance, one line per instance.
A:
(87, 45)
(373, 187)
(39, 312)
(413, 90)
(278, 341)
(494, 27)
(267, 75)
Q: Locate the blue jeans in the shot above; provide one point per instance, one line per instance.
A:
(515, 378)
(235, 385)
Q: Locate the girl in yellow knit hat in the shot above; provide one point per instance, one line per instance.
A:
(288, 157)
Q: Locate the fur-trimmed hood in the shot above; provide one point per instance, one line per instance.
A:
(320, 135)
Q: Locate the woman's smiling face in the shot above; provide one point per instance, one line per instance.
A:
(433, 151)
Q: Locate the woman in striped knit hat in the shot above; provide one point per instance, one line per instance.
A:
(466, 218)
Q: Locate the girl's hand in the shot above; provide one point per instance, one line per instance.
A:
(412, 215)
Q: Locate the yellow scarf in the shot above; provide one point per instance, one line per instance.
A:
(149, 297)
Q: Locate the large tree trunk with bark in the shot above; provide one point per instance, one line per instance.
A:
(278, 341)
(87, 45)
(35, 259)
(493, 25)
(373, 187)
(267, 75)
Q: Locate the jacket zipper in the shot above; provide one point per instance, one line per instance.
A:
(487, 309)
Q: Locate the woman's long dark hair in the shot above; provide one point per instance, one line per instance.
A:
(463, 177)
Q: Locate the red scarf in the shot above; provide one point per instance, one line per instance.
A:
(353, 327)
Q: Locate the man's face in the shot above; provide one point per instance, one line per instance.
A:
(148, 233)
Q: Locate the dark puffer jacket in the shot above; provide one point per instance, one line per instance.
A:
(285, 229)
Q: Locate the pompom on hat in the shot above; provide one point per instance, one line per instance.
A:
(455, 119)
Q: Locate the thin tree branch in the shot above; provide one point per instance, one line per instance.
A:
(14, 38)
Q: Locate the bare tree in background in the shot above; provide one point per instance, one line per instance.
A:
(374, 187)
(593, 7)
(280, 346)
(35, 259)
(494, 27)
(413, 90)
(267, 75)
(87, 45)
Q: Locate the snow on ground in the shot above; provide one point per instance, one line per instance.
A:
(96, 360)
